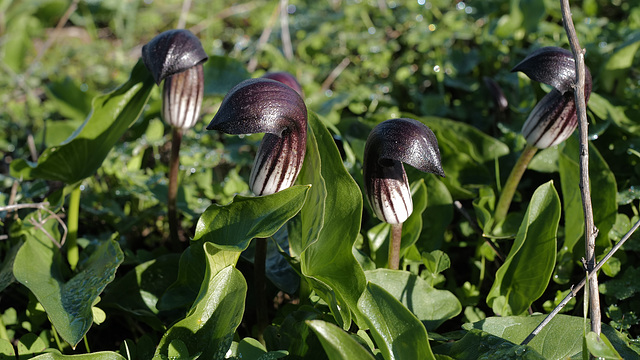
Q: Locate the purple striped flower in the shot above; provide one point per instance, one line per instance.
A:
(176, 56)
(390, 144)
(271, 107)
(554, 118)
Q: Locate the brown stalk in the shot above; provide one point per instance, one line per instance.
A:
(589, 227)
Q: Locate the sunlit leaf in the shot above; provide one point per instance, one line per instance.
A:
(620, 62)
(397, 332)
(337, 343)
(429, 305)
(478, 344)
(560, 339)
(7, 352)
(85, 150)
(208, 329)
(232, 226)
(328, 262)
(601, 347)
(527, 270)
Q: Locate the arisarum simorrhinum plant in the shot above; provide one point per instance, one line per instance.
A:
(552, 120)
(390, 144)
(270, 107)
(176, 56)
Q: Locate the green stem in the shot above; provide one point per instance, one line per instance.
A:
(260, 281)
(72, 225)
(394, 246)
(86, 344)
(56, 337)
(174, 166)
(509, 188)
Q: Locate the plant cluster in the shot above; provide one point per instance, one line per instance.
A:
(236, 189)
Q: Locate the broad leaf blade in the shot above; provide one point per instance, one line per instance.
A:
(83, 152)
(328, 263)
(337, 343)
(209, 327)
(429, 305)
(397, 332)
(560, 339)
(527, 270)
(68, 304)
(232, 226)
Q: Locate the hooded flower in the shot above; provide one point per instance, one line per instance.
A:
(390, 144)
(271, 107)
(554, 118)
(176, 56)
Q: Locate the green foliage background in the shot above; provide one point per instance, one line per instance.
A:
(359, 62)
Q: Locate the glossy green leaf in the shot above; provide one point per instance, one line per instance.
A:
(232, 226)
(251, 349)
(85, 150)
(7, 352)
(191, 271)
(208, 328)
(38, 266)
(601, 347)
(560, 339)
(527, 270)
(101, 355)
(30, 345)
(396, 331)
(328, 262)
(337, 343)
(429, 305)
(618, 65)
(478, 345)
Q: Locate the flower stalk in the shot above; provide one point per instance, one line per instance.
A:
(176, 56)
(551, 121)
(73, 255)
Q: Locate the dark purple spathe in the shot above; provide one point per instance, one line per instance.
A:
(554, 118)
(271, 107)
(390, 144)
(171, 52)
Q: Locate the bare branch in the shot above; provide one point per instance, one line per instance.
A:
(581, 110)
(326, 84)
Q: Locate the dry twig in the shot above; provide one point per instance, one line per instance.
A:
(589, 227)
